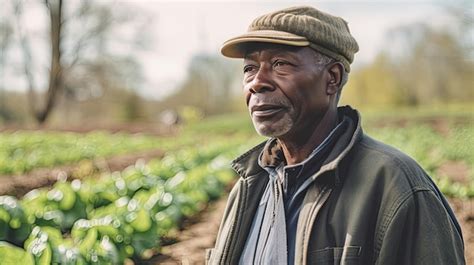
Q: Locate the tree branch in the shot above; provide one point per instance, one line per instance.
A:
(27, 58)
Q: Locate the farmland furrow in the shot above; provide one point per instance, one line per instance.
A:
(18, 185)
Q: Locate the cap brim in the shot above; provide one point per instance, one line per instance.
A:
(236, 47)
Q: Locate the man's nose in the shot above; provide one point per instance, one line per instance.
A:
(262, 81)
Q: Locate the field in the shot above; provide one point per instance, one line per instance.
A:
(101, 197)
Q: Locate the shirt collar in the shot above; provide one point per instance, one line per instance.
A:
(272, 158)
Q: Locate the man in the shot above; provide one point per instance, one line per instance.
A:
(320, 191)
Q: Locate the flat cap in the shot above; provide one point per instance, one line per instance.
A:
(298, 26)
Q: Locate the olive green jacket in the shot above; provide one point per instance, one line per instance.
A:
(368, 204)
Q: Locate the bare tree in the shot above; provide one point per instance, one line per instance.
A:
(79, 57)
(55, 9)
(5, 40)
(27, 58)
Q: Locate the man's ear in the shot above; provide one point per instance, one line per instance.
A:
(335, 71)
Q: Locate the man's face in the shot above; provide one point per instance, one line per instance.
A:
(285, 90)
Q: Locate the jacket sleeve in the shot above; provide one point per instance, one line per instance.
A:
(420, 231)
(213, 255)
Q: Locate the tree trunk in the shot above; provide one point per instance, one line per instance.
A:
(55, 74)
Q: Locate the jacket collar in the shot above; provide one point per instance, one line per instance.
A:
(247, 164)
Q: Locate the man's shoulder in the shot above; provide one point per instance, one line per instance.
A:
(388, 164)
(387, 153)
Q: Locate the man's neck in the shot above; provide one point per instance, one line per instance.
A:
(298, 147)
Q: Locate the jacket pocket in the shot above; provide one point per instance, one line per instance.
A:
(348, 255)
(208, 255)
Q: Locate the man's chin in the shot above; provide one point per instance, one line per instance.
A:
(270, 131)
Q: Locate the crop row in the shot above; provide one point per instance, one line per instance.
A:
(125, 214)
(117, 217)
(23, 151)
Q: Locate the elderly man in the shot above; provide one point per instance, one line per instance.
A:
(320, 191)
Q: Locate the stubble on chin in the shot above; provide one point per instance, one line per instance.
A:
(273, 129)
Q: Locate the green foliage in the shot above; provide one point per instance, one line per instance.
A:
(23, 151)
(459, 144)
(223, 124)
(121, 215)
(59, 207)
(14, 224)
(13, 255)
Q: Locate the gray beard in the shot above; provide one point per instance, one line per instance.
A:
(279, 128)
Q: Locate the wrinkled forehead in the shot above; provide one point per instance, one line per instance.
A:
(252, 49)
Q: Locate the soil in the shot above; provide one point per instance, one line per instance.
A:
(458, 171)
(440, 125)
(194, 239)
(464, 211)
(18, 185)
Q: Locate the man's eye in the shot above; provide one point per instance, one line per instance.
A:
(248, 68)
(280, 63)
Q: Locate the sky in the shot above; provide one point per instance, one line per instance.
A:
(178, 30)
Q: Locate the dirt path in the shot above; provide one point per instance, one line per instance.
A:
(18, 185)
(464, 210)
(193, 241)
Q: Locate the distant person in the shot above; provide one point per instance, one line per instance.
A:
(319, 190)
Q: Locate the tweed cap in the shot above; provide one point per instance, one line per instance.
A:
(298, 26)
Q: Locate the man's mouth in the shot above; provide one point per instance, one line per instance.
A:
(265, 110)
